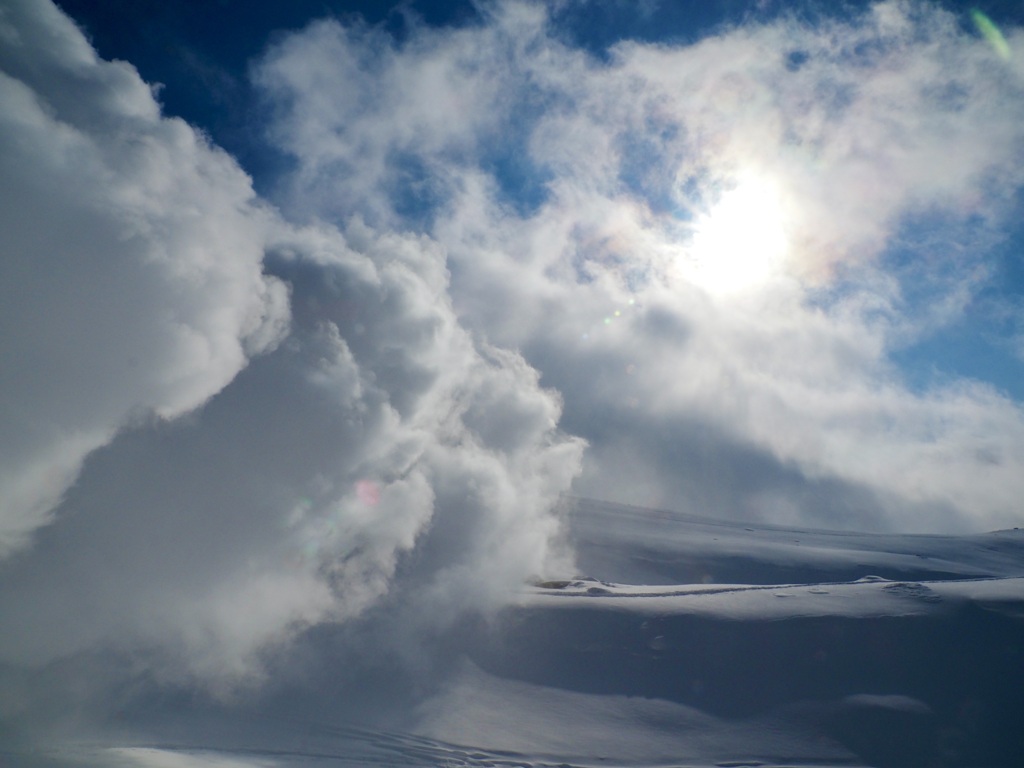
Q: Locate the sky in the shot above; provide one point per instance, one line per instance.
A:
(313, 310)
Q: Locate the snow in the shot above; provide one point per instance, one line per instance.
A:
(877, 650)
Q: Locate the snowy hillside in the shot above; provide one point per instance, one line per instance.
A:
(689, 642)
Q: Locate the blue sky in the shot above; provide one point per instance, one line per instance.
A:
(320, 307)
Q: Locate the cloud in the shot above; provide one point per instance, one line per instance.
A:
(131, 263)
(570, 193)
(376, 431)
(231, 423)
(221, 428)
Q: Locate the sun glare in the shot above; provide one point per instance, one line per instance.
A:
(738, 245)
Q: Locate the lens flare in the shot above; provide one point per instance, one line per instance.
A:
(992, 33)
(368, 492)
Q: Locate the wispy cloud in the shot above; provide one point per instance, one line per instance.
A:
(573, 196)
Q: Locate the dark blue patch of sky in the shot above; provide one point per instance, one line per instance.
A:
(199, 51)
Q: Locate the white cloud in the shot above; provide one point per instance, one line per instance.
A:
(131, 270)
(375, 436)
(779, 401)
(276, 426)
(271, 426)
(226, 425)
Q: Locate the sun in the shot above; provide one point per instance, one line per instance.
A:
(740, 243)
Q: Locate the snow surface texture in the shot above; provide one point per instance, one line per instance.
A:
(732, 645)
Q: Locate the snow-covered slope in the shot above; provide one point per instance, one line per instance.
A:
(687, 642)
(873, 649)
(633, 545)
